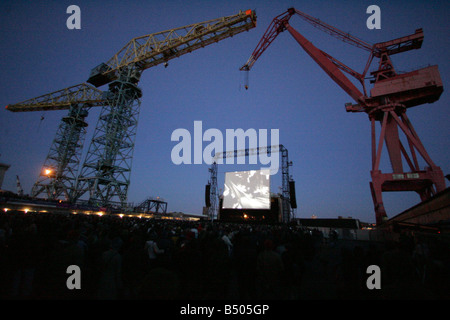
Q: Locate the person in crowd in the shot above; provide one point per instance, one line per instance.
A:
(110, 282)
(152, 249)
(269, 269)
(128, 258)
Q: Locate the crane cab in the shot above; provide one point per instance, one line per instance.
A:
(99, 76)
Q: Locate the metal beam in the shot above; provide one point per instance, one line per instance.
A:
(62, 99)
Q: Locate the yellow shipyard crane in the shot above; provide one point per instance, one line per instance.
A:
(105, 173)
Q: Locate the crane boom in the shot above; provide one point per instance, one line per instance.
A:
(333, 31)
(330, 65)
(62, 99)
(327, 65)
(150, 50)
(278, 25)
(274, 29)
(145, 52)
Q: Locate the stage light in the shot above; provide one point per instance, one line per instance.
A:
(47, 172)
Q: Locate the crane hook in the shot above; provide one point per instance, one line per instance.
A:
(246, 81)
(42, 119)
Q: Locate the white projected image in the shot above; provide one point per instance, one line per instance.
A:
(247, 190)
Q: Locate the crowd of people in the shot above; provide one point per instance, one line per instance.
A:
(133, 258)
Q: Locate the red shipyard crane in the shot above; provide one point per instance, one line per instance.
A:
(105, 173)
(391, 95)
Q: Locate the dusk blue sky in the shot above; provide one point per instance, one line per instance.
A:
(330, 148)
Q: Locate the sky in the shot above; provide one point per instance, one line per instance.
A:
(329, 148)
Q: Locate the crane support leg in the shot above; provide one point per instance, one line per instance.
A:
(57, 178)
(106, 171)
(425, 182)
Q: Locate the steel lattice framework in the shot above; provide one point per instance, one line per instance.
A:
(214, 192)
(152, 205)
(58, 178)
(105, 173)
(62, 99)
(150, 50)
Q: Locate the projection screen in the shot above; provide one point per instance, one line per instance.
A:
(247, 190)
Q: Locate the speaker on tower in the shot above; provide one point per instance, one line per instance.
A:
(207, 199)
(292, 194)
